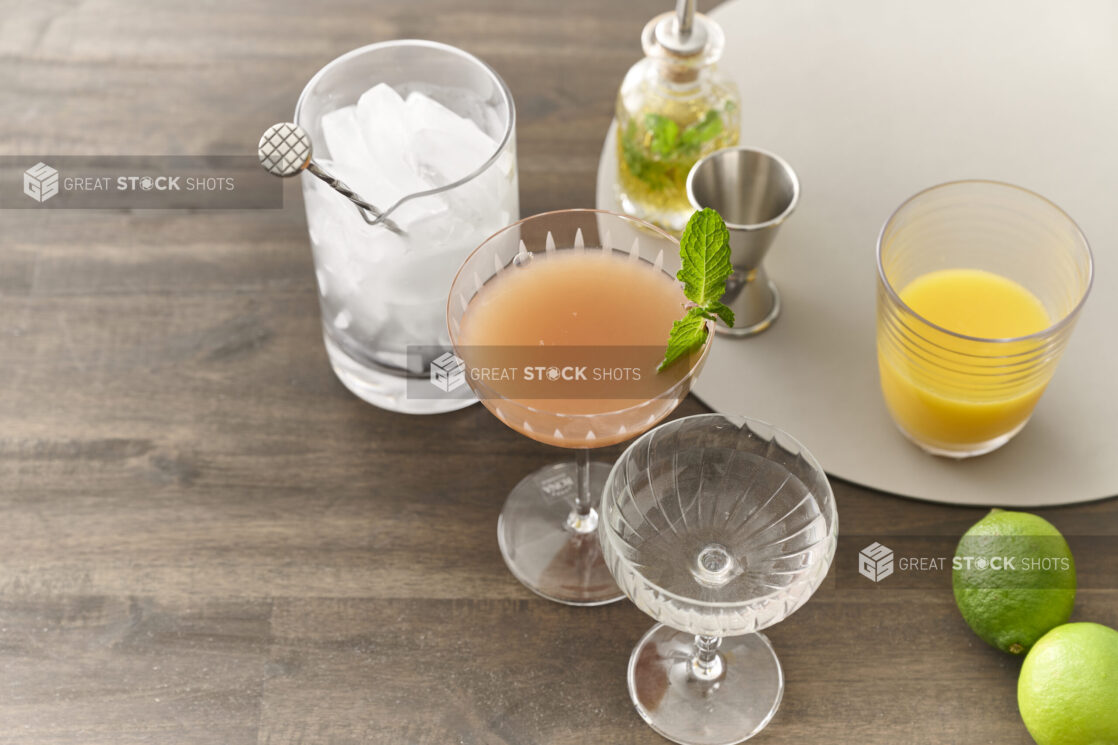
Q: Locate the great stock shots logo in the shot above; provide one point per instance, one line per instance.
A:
(448, 372)
(84, 182)
(40, 182)
(875, 562)
(931, 562)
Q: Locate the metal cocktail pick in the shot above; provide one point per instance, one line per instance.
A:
(285, 150)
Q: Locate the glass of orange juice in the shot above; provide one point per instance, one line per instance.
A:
(979, 286)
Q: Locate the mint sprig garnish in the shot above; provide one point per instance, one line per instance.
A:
(704, 250)
(688, 333)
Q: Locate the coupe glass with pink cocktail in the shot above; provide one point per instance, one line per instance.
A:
(561, 321)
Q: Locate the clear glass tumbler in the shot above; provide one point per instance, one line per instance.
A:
(960, 395)
(383, 293)
(717, 527)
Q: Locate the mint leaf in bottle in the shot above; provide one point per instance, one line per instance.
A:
(665, 134)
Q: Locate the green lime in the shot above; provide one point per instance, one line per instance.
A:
(1068, 689)
(1014, 579)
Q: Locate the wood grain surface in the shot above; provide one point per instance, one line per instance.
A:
(204, 538)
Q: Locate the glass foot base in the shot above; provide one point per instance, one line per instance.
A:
(561, 562)
(729, 709)
(385, 390)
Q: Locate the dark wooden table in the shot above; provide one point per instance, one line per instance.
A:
(204, 538)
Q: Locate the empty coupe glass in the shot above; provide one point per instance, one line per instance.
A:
(717, 527)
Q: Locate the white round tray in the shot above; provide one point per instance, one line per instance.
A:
(871, 101)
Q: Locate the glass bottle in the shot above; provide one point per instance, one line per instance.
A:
(674, 107)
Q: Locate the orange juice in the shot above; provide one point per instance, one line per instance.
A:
(950, 392)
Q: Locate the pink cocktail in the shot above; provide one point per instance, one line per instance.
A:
(561, 321)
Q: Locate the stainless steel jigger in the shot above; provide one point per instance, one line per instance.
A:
(285, 149)
(755, 191)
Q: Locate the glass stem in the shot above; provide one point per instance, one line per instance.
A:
(583, 518)
(706, 662)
